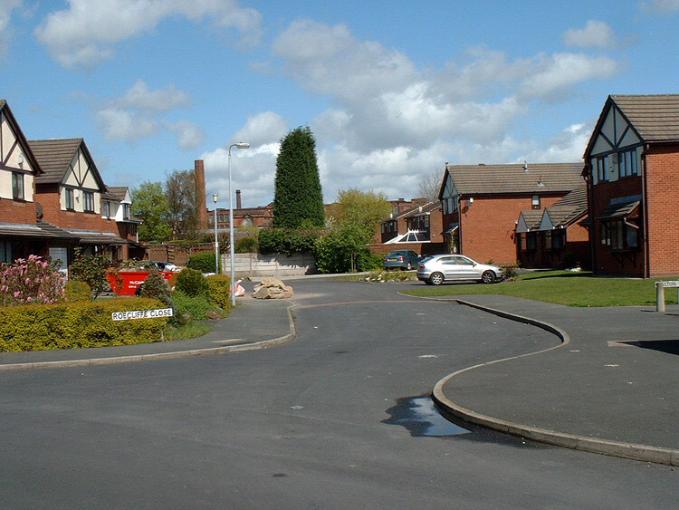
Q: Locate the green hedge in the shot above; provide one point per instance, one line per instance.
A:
(220, 290)
(203, 262)
(77, 324)
(287, 241)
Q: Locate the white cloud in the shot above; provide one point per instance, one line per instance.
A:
(595, 34)
(161, 100)
(554, 75)
(261, 129)
(663, 5)
(119, 124)
(138, 114)
(252, 171)
(6, 8)
(390, 122)
(189, 135)
(86, 32)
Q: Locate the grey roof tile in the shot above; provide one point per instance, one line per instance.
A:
(514, 178)
(655, 117)
(54, 157)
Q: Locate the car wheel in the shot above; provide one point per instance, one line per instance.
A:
(436, 278)
(488, 277)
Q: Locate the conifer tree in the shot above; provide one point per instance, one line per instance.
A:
(298, 200)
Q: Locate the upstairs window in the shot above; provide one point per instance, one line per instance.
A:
(629, 164)
(17, 186)
(88, 198)
(107, 209)
(535, 202)
(70, 203)
(126, 211)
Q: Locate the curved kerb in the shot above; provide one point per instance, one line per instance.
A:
(209, 351)
(633, 451)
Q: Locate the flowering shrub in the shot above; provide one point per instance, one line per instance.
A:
(31, 280)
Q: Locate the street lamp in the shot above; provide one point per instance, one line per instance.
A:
(238, 145)
(214, 201)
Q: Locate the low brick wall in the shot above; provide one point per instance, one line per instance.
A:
(256, 264)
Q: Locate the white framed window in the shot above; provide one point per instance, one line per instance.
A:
(535, 202)
(88, 198)
(17, 186)
(70, 202)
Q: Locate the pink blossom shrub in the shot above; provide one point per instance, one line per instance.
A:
(31, 280)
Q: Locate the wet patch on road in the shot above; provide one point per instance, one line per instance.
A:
(421, 417)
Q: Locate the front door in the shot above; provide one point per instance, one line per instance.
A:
(60, 254)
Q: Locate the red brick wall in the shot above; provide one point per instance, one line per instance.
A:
(12, 211)
(662, 172)
(487, 226)
(48, 197)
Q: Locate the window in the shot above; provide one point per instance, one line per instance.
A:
(535, 202)
(629, 164)
(558, 239)
(619, 235)
(17, 186)
(88, 197)
(530, 241)
(522, 242)
(600, 169)
(107, 209)
(5, 252)
(548, 240)
(126, 211)
(69, 199)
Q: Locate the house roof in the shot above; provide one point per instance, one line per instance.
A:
(515, 178)
(655, 117)
(40, 230)
(55, 157)
(117, 192)
(569, 208)
(420, 209)
(615, 211)
(532, 218)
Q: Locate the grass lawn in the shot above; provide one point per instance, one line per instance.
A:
(191, 330)
(561, 287)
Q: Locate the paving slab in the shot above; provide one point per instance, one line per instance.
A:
(616, 380)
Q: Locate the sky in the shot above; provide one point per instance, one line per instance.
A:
(392, 90)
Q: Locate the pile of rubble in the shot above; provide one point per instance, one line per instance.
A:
(272, 288)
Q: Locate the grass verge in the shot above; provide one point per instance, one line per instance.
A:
(561, 287)
(191, 330)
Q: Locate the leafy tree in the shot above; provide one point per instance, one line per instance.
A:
(182, 198)
(343, 250)
(298, 198)
(149, 203)
(90, 269)
(364, 210)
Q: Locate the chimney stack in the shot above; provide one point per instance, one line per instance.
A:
(239, 205)
(199, 172)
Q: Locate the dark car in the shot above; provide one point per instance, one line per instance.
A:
(402, 259)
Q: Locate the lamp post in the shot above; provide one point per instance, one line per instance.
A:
(238, 145)
(214, 201)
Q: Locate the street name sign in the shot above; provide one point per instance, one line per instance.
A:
(142, 314)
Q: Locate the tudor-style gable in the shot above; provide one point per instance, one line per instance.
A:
(614, 150)
(18, 166)
(70, 168)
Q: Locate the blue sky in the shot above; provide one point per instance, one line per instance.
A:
(392, 90)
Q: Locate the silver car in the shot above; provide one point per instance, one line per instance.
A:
(437, 269)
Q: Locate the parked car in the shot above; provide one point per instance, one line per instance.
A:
(442, 268)
(402, 259)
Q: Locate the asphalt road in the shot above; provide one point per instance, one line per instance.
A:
(318, 423)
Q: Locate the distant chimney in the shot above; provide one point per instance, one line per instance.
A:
(239, 205)
(525, 167)
(199, 173)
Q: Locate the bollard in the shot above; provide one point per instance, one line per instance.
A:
(659, 297)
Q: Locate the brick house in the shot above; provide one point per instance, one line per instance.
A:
(22, 230)
(417, 229)
(632, 162)
(557, 236)
(72, 195)
(481, 204)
